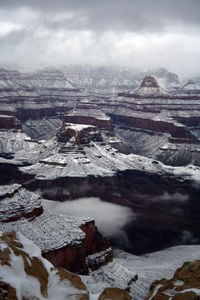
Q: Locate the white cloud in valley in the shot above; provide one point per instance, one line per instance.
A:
(110, 218)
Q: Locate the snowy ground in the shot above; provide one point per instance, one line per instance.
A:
(153, 266)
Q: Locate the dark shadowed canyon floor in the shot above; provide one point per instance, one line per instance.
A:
(166, 210)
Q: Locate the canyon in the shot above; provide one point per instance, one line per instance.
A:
(134, 144)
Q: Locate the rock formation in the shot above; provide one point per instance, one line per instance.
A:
(88, 113)
(191, 88)
(149, 120)
(9, 122)
(25, 274)
(79, 134)
(114, 294)
(149, 88)
(76, 243)
(157, 124)
(184, 285)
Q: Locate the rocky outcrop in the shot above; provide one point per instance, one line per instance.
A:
(149, 81)
(17, 203)
(37, 113)
(76, 243)
(89, 120)
(93, 252)
(79, 134)
(114, 294)
(31, 276)
(9, 122)
(191, 88)
(183, 286)
(25, 274)
(149, 88)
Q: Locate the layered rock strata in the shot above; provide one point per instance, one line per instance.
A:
(158, 124)
(88, 113)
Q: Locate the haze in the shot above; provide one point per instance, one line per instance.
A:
(135, 33)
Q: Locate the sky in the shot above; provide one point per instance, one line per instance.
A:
(139, 34)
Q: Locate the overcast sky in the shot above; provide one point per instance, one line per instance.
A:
(142, 34)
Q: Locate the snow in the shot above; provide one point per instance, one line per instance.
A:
(21, 203)
(42, 231)
(113, 274)
(78, 127)
(28, 286)
(6, 116)
(6, 190)
(12, 141)
(155, 266)
(74, 164)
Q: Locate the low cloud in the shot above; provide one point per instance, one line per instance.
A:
(110, 218)
(171, 198)
(188, 238)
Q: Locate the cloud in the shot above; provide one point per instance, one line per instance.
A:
(175, 198)
(107, 14)
(110, 218)
(138, 34)
(188, 238)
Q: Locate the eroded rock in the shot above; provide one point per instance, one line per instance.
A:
(185, 285)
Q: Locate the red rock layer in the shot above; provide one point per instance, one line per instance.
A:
(158, 126)
(74, 257)
(9, 122)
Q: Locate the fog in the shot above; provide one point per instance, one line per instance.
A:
(176, 198)
(138, 34)
(110, 218)
(188, 238)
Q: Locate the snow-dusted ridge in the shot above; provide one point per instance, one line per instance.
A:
(50, 231)
(102, 160)
(17, 201)
(97, 159)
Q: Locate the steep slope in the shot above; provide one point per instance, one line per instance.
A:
(25, 274)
